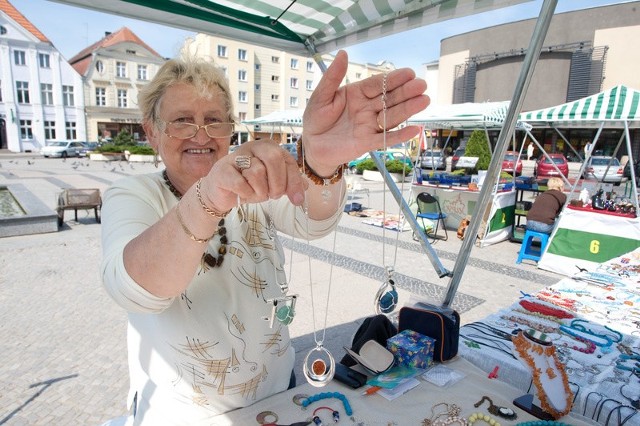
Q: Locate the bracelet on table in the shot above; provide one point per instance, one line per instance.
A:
(187, 231)
(209, 210)
(481, 417)
(311, 174)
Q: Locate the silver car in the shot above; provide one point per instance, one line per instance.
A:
(430, 160)
(62, 149)
(597, 167)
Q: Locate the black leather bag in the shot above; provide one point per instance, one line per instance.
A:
(441, 324)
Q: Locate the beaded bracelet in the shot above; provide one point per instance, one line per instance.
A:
(209, 210)
(481, 417)
(324, 395)
(311, 174)
(188, 232)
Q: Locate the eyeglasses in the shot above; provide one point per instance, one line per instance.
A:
(181, 130)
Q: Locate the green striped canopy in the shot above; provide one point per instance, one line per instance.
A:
(288, 25)
(469, 115)
(613, 107)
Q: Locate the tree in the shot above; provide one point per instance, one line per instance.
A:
(477, 146)
(124, 138)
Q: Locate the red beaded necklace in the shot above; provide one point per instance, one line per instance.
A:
(545, 309)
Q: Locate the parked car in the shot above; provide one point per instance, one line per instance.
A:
(430, 160)
(627, 171)
(511, 163)
(291, 148)
(544, 167)
(87, 147)
(62, 149)
(353, 164)
(459, 152)
(596, 167)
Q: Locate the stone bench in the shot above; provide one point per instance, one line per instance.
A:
(79, 199)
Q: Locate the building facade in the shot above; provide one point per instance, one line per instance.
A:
(584, 52)
(41, 98)
(113, 70)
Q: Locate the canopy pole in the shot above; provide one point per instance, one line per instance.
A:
(632, 167)
(584, 163)
(528, 66)
(566, 141)
(393, 188)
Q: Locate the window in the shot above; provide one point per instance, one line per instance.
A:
(294, 64)
(47, 93)
(309, 65)
(242, 75)
(70, 130)
(121, 69)
(222, 51)
(275, 97)
(275, 78)
(99, 67)
(242, 116)
(358, 76)
(293, 101)
(275, 59)
(257, 67)
(257, 88)
(257, 107)
(26, 132)
(142, 72)
(122, 98)
(225, 71)
(131, 52)
(309, 84)
(19, 57)
(43, 60)
(22, 92)
(101, 96)
(49, 130)
(294, 82)
(242, 96)
(67, 96)
(242, 54)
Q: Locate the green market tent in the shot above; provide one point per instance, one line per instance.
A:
(612, 107)
(486, 115)
(292, 26)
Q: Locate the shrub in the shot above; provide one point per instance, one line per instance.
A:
(393, 166)
(141, 150)
(478, 146)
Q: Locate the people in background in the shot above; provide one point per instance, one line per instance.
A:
(530, 149)
(587, 149)
(547, 206)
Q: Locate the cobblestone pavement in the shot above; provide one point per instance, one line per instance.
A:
(63, 340)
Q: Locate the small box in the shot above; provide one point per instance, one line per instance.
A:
(411, 349)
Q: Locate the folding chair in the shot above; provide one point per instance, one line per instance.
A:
(429, 208)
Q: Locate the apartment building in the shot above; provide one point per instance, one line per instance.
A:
(113, 70)
(265, 80)
(40, 93)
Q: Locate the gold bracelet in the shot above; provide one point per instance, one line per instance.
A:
(210, 211)
(311, 174)
(187, 231)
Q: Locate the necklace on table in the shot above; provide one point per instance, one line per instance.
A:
(386, 298)
(207, 258)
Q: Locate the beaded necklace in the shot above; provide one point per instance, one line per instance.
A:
(207, 258)
(545, 309)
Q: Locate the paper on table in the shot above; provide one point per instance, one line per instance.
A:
(402, 388)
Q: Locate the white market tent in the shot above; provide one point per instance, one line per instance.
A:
(314, 27)
(278, 118)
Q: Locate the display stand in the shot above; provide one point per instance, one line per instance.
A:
(584, 238)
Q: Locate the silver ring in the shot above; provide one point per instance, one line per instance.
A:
(243, 162)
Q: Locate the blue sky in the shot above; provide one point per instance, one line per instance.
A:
(71, 29)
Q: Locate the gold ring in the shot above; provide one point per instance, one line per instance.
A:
(379, 125)
(243, 162)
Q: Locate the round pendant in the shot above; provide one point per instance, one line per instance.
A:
(326, 194)
(298, 398)
(266, 418)
(320, 370)
(285, 314)
(386, 298)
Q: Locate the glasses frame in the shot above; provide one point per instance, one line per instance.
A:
(197, 128)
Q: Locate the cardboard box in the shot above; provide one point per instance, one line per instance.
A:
(412, 349)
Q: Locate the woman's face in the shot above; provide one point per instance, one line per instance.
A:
(189, 159)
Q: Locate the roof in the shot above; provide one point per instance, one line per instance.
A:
(13, 13)
(284, 117)
(81, 61)
(612, 107)
(463, 116)
(290, 26)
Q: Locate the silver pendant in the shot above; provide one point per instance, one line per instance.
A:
(387, 296)
(283, 309)
(321, 369)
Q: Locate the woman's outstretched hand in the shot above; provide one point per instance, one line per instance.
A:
(342, 123)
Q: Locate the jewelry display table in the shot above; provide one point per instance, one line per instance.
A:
(593, 321)
(412, 408)
(585, 238)
(459, 202)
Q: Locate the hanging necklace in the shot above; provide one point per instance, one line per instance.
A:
(386, 298)
(319, 366)
(207, 259)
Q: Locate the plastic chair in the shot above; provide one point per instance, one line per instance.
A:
(429, 208)
(527, 251)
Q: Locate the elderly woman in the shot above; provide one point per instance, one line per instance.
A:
(191, 252)
(547, 207)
